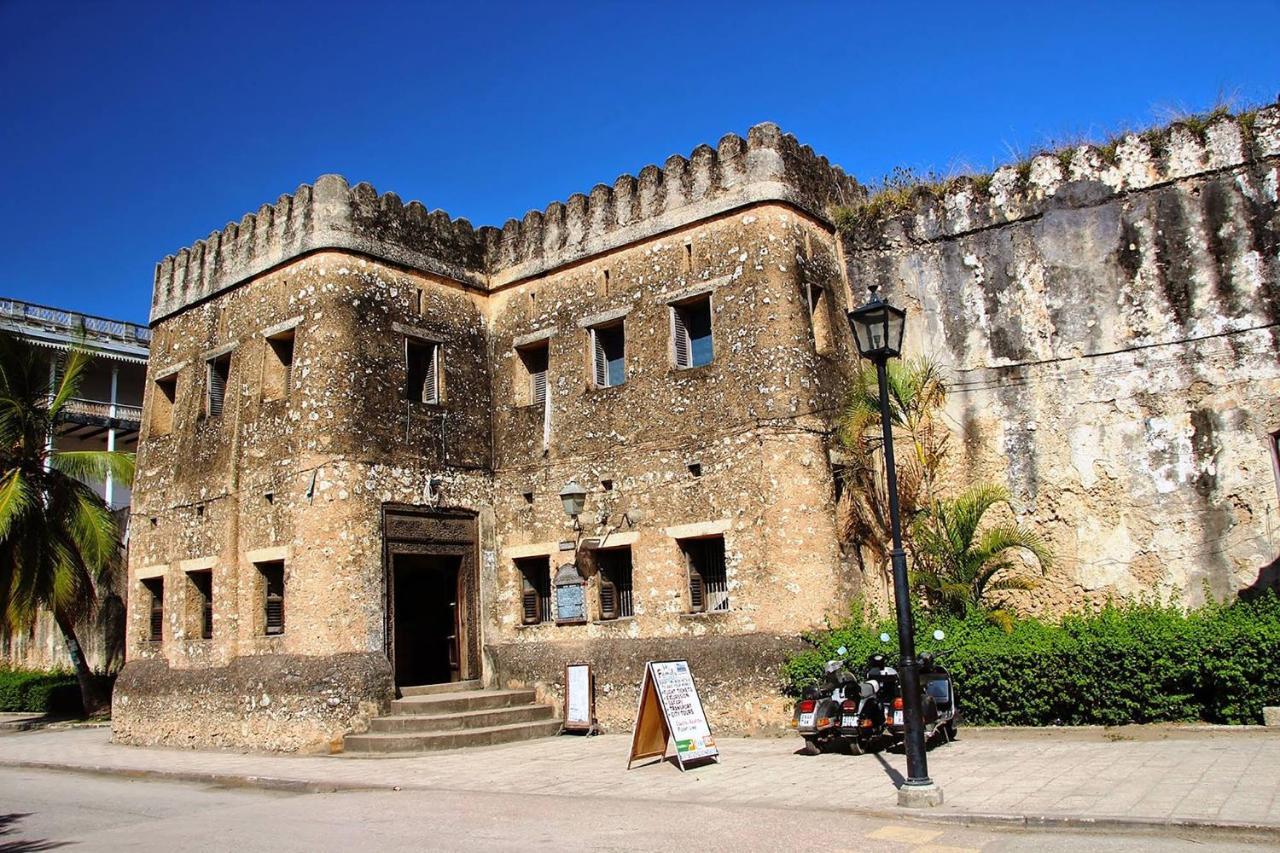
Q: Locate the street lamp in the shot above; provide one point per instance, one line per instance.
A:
(877, 328)
(574, 497)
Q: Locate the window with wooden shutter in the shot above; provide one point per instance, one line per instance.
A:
(422, 371)
(535, 582)
(155, 587)
(708, 582)
(608, 356)
(219, 374)
(272, 596)
(533, 367)
(277, 380)
(202, 584)
(615, 582)
(691, 342)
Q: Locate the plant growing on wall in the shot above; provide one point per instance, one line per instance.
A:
(917, 394)
(58, 540)
(960, 564)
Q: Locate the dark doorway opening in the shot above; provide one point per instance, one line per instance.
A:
(426, 618)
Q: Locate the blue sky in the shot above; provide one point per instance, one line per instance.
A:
(129, 130)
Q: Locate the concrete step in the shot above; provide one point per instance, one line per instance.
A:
(436, 689)
(466, 700)
(417, 723)
(391, 742)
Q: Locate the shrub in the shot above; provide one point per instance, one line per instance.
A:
(1130, 663)
(41, 692)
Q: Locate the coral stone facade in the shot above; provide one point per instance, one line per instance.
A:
(360, 418)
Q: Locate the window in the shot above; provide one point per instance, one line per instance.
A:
(277, 377)
(422, 363)
(166, 392)
(532, 374)
(608, 351)
(615, 582)
(202, 583)
(272, 596)
(819, 316)
(155, 586)
(708, 586)
(219, 373)
(691, 333)
(535, 596)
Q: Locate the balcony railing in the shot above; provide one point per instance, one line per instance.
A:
(73, 321)
(78, 407)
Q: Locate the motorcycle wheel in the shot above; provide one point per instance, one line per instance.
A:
(810, 747)
(856, 747)
(950, 730)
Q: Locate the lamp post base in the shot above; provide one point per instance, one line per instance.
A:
(923, 796)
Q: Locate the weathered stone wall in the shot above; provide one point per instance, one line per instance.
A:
(1109, 321)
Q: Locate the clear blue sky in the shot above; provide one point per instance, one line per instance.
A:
(129, 130)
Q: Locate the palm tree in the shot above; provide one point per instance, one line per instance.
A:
(958, 566)
(58, 540)
(917, 394)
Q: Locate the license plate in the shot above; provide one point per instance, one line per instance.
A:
(849, 722)
(897, 718)
(806, 721)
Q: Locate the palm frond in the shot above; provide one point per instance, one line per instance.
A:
(15, 499)
(68, 380)
(1013, 582)
(94, 465)
(1002, 618)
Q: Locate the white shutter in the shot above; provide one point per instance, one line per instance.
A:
(680, 338)
(599, 360)
(538, 387)
(217, 389)
(430, 382)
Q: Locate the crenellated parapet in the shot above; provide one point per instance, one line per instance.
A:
(766, 166)
(1083, 175)
(328, 215)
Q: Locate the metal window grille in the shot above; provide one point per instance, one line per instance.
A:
(273, 596)
(615, 583)
(708, 582)
(155, 586)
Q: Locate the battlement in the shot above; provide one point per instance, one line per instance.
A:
(1082, 175)
(766, 166)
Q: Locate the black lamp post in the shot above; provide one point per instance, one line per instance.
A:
(877, 328)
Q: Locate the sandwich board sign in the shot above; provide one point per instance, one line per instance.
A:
(671, 710)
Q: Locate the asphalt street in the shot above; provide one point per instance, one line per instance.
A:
(46, 810)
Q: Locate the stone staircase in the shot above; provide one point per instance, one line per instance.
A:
(450, 716)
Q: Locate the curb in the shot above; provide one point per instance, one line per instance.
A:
(1241, 830)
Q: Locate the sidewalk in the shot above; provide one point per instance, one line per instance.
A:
(1153, 778)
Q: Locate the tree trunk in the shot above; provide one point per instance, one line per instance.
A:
(89, 695)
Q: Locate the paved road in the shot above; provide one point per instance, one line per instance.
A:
(45, 810)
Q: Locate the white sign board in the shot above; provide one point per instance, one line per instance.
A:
(577, 696)
(671, 710)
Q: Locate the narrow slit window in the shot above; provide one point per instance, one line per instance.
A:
(615, 583)
(272, 596)
(708, 583)
(535, 594)
(422, 370)
(608, 356)
(691, 344)
(278, 379)
(155, 624)
(533, 365)
(162, 404)
(819, 317)
(219, 374)
(202, 585)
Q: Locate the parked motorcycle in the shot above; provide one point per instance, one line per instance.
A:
(846, 712)
(939, 707)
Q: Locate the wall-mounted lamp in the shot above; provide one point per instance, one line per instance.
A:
(574, 497)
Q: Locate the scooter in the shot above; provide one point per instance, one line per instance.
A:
(847, 712)
(938, 706)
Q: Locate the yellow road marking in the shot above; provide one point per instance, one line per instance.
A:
(905, 834)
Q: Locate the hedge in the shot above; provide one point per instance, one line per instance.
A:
(43, 692)
(1131, 663)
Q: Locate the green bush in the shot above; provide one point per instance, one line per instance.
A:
(1130, 663)
(41, 692)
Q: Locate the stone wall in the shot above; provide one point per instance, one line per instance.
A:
(1109, 321)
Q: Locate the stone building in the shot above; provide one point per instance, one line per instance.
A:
(106, 415)
(361, 415)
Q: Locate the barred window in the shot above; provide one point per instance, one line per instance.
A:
(708, 584)
(614, 583)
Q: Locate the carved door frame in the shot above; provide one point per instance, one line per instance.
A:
(453, 532)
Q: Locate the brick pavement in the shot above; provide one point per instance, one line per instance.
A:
(1144, 774)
